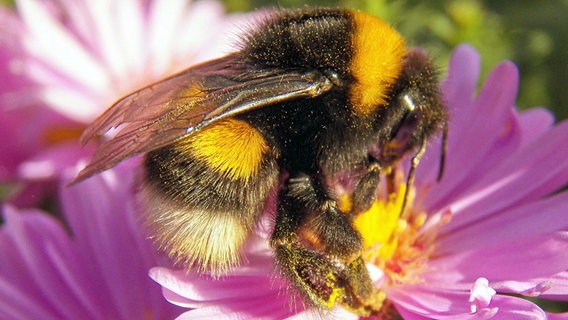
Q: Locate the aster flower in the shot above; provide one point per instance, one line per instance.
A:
(493, 230)
(64, 62)
(93, 267)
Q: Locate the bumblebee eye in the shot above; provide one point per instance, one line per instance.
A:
(408, 119)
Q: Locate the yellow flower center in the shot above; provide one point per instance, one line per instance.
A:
(394, 240)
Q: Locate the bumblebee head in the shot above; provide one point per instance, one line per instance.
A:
(415, 110)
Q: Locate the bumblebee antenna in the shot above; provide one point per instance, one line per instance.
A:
(411, 172)
(444, 147)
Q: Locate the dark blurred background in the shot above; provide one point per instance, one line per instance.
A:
(532, 34)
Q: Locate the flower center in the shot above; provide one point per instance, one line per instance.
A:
(54, 136)
(394, 240)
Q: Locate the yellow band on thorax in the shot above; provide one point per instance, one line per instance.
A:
(378, 52)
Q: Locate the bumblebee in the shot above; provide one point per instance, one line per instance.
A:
(309, 97)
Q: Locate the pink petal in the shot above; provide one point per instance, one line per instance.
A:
(516, 308)
(463, 74)
(489, 130)
(27, 129)
(531, 288)
(50, 41)
(556, 316)
(99, 273)
(197, 288)
(421, 302)
(166, 16)
(32, 239)
(558, 287)
(12, 151)
(539, 256)
(50, 163)
(250, 309)
(535, 122)
(312, 314)
(108, 230)
(459, 86)
(230, 297)
(17, 91)
(531, 173)
(538, 217)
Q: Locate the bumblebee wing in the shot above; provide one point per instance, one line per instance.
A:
(168, 96)
(184, 103)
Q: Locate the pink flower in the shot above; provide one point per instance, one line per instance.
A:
(495, 224)
(64, 62)
(93, 267)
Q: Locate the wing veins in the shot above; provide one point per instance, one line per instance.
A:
(180, 116)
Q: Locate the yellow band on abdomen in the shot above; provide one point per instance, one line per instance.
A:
(232, 147)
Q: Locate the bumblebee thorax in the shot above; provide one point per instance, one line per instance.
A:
(361, 49)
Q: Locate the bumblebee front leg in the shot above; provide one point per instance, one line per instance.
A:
(319, 251)
(365, 191)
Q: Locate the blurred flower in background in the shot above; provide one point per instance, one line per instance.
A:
(64, 62)
(93, 266)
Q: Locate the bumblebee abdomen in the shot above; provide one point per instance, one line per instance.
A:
(212, 186)
(218, 166)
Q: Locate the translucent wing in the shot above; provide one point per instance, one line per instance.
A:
(184, 103)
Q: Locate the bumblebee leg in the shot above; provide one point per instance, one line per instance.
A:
(310, 272)
(366, 189)
(319, 251)
(317, 218)
(360, 295)
(314, 276)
